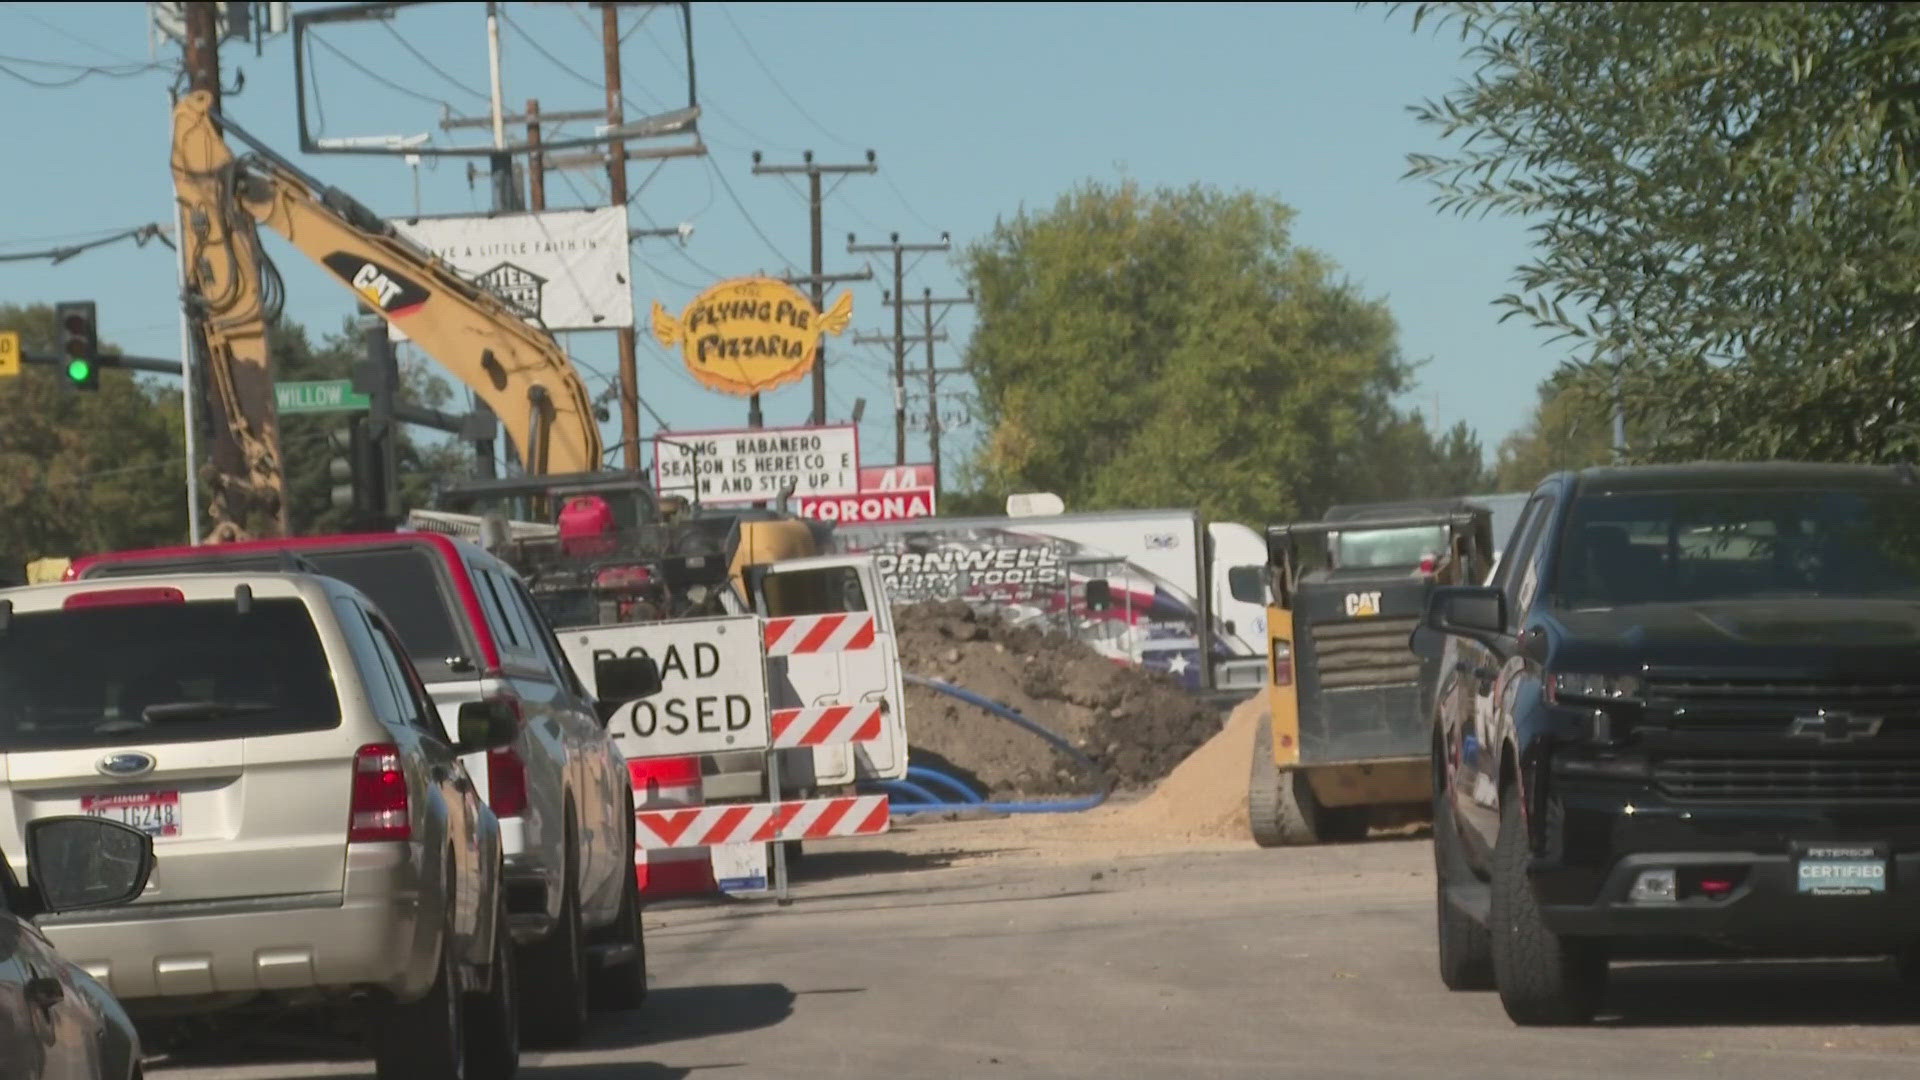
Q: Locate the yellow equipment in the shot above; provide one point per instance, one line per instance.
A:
(516, 368)
(1348, 744)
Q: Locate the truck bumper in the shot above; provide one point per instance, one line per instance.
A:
(1736, 868)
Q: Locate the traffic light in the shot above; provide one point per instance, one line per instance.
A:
(340, 467)
(79, 343)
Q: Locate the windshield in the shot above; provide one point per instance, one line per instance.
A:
(1704, 546)
(92, 676)
(1387, 547)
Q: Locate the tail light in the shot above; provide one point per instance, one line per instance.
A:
(379, 808)
(506, 773)
(506, 783)
(666, 780)
(1282, 662)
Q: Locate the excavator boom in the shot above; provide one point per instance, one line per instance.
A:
(517, 369)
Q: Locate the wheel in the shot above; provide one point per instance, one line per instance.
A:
(623, 985)
(1543, 978)
(553, 971)
(1466, 950)
(493, 1015)
(425, 1039)
(1275, 814)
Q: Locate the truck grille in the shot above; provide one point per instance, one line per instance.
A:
(1365, 652)
(1824, 780)
(1695, 691)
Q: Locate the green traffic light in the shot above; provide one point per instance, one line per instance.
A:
(78, 370)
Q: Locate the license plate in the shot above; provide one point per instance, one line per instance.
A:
(156, 813)
(1841, 870)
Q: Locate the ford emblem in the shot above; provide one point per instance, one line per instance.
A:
(131, 763)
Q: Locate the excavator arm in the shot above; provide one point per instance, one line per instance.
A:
(231, 295)
(517, 369)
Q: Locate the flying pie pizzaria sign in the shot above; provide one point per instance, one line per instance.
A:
(750, 335)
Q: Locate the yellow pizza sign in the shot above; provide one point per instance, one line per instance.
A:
(750, 335)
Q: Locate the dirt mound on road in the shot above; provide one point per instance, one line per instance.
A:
(1135, 724)
(1206, 796)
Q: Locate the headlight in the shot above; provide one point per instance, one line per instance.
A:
(1567, 686)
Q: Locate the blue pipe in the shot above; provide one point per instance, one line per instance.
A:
(928, 803)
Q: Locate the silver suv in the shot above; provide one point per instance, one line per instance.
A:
(561, 789)
(318, 840)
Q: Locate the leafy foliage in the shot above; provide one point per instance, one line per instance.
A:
(1173, 348)
(106, 470)
(1570, 429)
(85, 471)
(304, 438)
(1725, 209)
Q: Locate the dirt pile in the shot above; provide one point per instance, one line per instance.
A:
(1205, 797)
(1135, 724)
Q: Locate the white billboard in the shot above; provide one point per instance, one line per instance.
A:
(757, 464)
(568, 268)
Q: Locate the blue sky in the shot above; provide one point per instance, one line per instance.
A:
(974, 110)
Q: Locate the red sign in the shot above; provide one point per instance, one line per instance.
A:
(887, 493)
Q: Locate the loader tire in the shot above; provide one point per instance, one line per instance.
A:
(1272, 808)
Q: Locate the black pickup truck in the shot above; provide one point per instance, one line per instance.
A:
(1682, 720)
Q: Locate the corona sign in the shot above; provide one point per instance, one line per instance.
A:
(750, 335)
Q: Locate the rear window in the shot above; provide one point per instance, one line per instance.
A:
(405, 583)
(1379, 548)
(407, 586)
(90, 677)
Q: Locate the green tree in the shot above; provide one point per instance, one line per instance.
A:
(1175, 348)
(1724, 204)
(1569, 429)
(85, 471)
(423, 462)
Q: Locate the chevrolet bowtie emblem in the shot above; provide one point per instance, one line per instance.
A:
(1835, 727)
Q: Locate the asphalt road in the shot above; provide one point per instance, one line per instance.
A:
(1310, 963)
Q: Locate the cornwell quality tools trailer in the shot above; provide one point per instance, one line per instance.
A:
(1348, 744)
(1158, 588)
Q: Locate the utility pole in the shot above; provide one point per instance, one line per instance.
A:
(899, 328)
(930, 333)
(536, 161)
(819, 277)
(617, 185)
(247, 470)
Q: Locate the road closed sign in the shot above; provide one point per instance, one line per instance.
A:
(756, 465)
(713, 684)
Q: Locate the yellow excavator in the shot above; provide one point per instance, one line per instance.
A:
(232, 292)
(516, 368)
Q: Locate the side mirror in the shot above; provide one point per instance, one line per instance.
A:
(488, 724)
(626, 678)
(1468, 611)
(1099, 595)
(83, 862)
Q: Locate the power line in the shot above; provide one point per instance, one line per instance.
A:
(738, 205)
(902, 196)
(70, 35)
(431, 66)
(377, 77)
(139, 234)
(80, 75)
(768, 72)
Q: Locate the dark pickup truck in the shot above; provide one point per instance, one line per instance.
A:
(1682, 720)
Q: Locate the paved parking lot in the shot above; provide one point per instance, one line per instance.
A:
(1228, 963)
